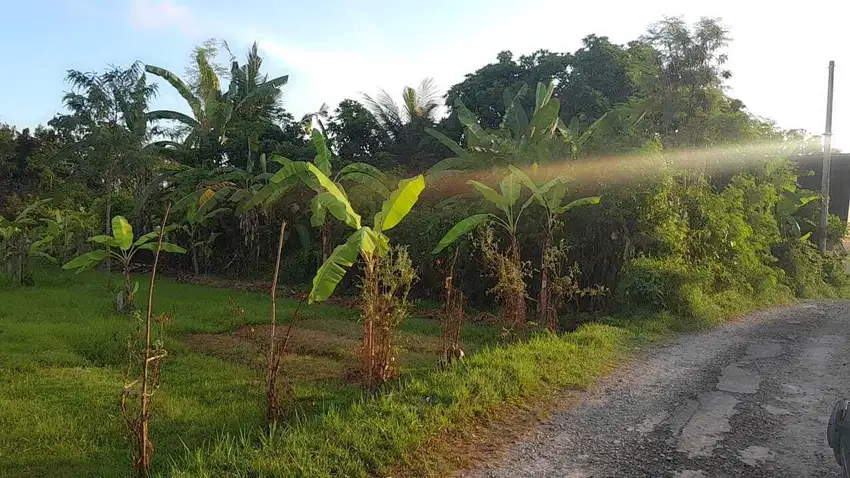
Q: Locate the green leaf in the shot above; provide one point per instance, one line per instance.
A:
(304, 236)
(172, 115)
(543, 95)
(269, 194)
(510, 187)
(323, 154)
(460, 229)
(471, 122)
(86, 260)
(490, 194)
(400, 203)
(545, 120)
(449, 143)
(135, 287)
(446, 167)
(154, 234)
(178, 85)
(166, 247)
(122, 232)
(349, 217)
(333, 270)
(366, 174)
(515, 118)
(288, 169)
(322, 203)
(173, 248)
(104, 239)
(580, 202)
(43, 255)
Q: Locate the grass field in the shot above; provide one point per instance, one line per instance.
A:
(62, 361)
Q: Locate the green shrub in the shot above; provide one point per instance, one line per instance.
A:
(803, 266)
(659, 284)
(811, 274)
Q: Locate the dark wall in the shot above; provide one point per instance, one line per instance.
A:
(839, 179)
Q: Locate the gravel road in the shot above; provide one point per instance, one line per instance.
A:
(751, 399)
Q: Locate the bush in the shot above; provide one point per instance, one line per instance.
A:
(811, 274)
(655, 284)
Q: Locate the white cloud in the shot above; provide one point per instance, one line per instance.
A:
(163, 14)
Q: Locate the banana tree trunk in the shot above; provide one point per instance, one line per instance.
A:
(108, 233)
(326, 243)
(546, 316)
(516, 309)
(371, 292)
(128, 290)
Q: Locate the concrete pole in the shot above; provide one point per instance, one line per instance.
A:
(827, 159)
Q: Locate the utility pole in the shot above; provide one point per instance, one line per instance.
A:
(827, 159)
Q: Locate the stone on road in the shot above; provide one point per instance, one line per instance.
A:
(751, 399)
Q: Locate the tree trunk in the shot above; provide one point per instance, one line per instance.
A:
(128, 287)
(195, 259)
(108, 233)
(517, 307)
(546, 316)
(371, 291)
(326, 243)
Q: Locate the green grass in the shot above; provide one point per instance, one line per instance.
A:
(62, 362)
(373, 435)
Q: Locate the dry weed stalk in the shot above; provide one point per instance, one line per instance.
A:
(276, 389)
(451, 319)
(386, 285)
(564, 287)
(510, 273)
(138, 420)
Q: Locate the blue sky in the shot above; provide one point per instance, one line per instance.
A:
(336, 48)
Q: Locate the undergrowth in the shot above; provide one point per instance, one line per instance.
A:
(375, 434)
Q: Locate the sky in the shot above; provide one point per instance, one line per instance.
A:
(338, 49)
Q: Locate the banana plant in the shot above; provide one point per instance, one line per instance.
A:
(789, 204)
(196, 216)
(288, 177)
(505, 200)
(519, 139)
(22, 237)
(550, 196)
(369, 243)
(121, 247)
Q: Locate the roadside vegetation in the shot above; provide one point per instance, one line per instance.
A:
(342, 288)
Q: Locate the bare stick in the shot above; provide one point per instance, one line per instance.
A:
(271, 405)
(144, 448)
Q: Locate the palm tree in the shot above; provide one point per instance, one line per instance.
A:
(418, 110)
(250, 98)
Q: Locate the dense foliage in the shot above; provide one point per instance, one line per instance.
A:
(663, 232)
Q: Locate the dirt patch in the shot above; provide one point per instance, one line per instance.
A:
(317, 350)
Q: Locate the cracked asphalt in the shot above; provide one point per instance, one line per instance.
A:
(751, 399)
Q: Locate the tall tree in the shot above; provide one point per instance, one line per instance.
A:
(357, 136)
(482, 91)
(693, 109)
(107, 116)
(250, 101)
(405, 124)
